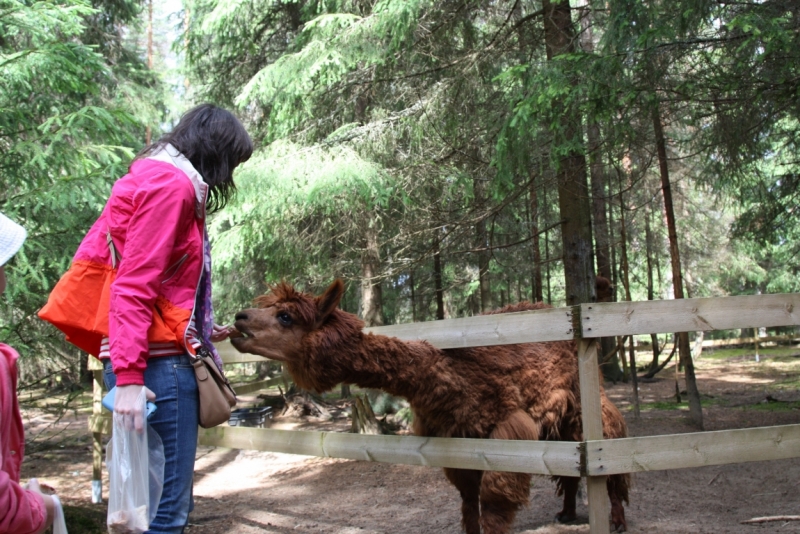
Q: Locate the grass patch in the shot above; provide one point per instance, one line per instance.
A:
(773, 406)
(792, 383)
(749, 352)
(672, 405)
(85, 519)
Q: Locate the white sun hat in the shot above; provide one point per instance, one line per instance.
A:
(12, 236)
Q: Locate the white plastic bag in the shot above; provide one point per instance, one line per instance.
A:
(59, 524)
(136, 476)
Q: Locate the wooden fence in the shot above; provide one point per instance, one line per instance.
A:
(593, 458)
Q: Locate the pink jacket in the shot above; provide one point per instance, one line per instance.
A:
(155, 222)
(21, 511)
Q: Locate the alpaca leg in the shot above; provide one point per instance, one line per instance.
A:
(567, 486)
(502, 494)
(617, 486)
(468, 483)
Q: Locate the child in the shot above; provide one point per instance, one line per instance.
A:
(22, 511)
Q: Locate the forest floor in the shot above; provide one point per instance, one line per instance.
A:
(248, 492)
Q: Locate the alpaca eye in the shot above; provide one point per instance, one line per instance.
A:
(285, 319)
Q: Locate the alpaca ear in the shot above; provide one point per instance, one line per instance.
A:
(328, 301)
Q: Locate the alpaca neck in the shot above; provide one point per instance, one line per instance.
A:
(371, 361)
(394, 366)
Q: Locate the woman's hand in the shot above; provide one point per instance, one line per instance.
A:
(220, 333)
(128, 405)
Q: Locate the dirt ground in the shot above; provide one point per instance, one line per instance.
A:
(259, 492)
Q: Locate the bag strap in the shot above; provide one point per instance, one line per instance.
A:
(115, 256)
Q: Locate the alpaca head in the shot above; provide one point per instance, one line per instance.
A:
(286, 322)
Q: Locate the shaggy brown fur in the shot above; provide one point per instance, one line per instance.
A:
(527, 391)
(604, 289)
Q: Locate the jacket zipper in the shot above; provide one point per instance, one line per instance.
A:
(173, 270)
(196, 292)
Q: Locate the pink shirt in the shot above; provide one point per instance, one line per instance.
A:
(21, 511)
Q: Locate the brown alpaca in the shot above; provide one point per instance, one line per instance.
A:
(528, 391)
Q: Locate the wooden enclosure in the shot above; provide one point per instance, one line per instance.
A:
(593, 458)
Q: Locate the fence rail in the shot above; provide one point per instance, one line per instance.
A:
(698, 449)
(594, 458)
(538, 457)
(605, 319)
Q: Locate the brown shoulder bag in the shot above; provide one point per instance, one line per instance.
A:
(216, 394)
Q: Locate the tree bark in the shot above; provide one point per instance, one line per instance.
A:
(627, 283)
(437, 279)
(573, 190)
(363, 418)
(483, 272)
(413, 297)
(648, 237)
(684, 351)
(484, 256)
(612, 239)
(596, 173)
(148, 134)
(601, 206)
(536, 274)
(547, 257)
(371, 293)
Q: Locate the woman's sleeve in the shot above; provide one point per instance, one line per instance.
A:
(161, 206)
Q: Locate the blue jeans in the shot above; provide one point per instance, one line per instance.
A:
(173, 381)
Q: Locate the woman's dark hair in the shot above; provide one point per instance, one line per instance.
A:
(215, 142)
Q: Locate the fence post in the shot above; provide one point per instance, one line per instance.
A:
(592, 418)
(99, 423)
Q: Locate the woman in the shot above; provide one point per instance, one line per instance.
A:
(138, 294)
(22, 511)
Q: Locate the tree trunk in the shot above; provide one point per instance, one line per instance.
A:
(262, 370)
(611, 368)
(413, 297)
(363, 418)
(484, 256)
(596, 174)
(648, 238)
(599, 203)
(623, 233)
(573, 191)
(612, 239)
(148, 134)
(576, 235)
(684, 351)
(536, 275)
(698, 345)
(371, 293)
(437, 279)
(634, 377)
(547, 258)
(576, 232)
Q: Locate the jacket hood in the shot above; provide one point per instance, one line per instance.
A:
(170, 154)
